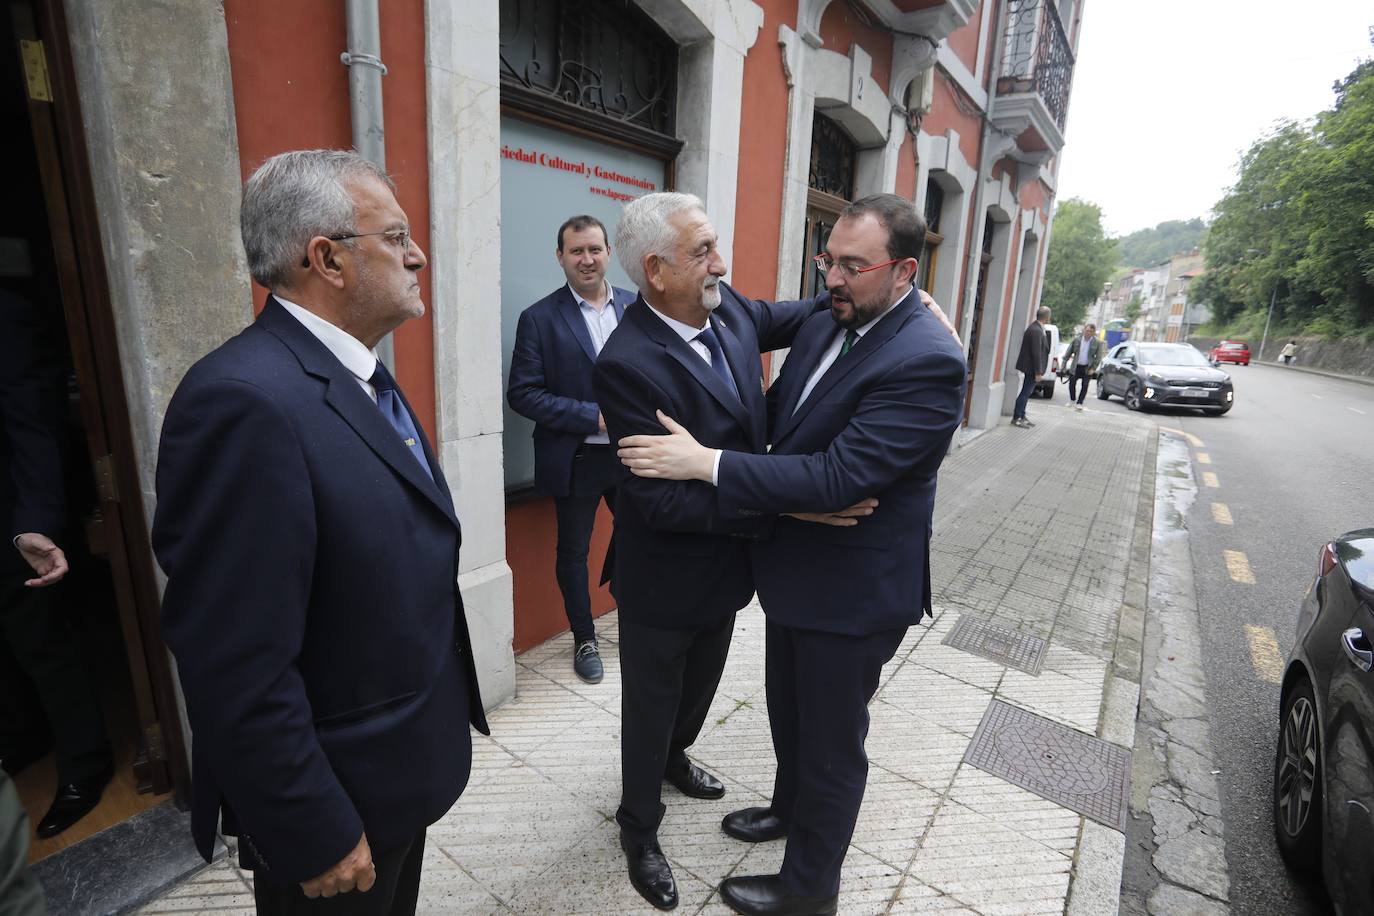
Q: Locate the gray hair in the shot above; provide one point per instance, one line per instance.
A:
(1042, 313)
(644, 230)
(293, 197)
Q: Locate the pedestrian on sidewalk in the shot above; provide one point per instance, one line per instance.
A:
(1084, 356)
(865, 406)
(311, 552)
(689, 344)
(1032, 361)
(556, 344)
(1289, 350)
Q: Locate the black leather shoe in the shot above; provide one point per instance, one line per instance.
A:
(694, 782)
(763, 895)
(754, 825)
(74, 801)
(650, 873)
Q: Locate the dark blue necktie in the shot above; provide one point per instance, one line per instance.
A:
(718, 363)
(389, 402)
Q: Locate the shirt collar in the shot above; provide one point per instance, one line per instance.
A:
(583, 303)
(347, 349)
(683, 330)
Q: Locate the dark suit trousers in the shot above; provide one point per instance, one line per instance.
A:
(667, 681)
(395, 894)
(594, 473)
(1080, 374)
(818, 687)
(38, 655)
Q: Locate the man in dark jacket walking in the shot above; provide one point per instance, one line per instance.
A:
(1035, 353)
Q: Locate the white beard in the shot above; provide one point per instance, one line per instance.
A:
(710, 298)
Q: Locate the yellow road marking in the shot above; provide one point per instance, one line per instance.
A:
(1238, 567)
(1194, 441)
(1264, 654)
(1204, 458)
(1210, 479)
(1221, 514)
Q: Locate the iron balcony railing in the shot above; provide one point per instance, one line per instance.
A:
(1038, 57)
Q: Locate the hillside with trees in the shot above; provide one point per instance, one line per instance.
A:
(1297, 229)
(1148, 247)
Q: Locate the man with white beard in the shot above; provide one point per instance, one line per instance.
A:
(689, 346)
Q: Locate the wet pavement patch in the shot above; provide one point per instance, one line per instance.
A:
(1009, 647)
(1080, 772)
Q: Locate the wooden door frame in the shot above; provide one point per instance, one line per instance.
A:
(80, 258)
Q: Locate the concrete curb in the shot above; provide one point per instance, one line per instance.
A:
(1357, 379)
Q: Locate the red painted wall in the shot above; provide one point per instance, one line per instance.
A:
(291, 92)
(945, 115)
(964, 41)
(762, 156)
(531, 539)
(840, 29)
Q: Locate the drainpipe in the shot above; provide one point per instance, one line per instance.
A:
(365, 71)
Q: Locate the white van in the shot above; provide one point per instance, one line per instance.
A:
(1045, 387)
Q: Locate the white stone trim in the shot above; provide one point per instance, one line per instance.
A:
(463, 114)
(988, 388)
(954, 68)
(1017, 112)
(943, 161)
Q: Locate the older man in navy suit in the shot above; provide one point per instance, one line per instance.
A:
(311, 551)
(865, 407)
(556, 345)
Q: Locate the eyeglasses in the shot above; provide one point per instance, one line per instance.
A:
(397, 237)
(824, 262)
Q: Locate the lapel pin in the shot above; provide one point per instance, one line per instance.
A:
(410, 443)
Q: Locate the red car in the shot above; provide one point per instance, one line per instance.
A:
(1230, 351)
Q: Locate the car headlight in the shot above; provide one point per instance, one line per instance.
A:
(1155, 377)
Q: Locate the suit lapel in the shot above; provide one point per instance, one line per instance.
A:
(806, 352)
(750, 391)
(679, 350)
(571, 313)
(347, 398)
(865, 347)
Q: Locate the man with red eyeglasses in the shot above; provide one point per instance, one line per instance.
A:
(865, 406)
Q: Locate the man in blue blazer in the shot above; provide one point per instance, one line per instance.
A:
(311, 551)
(556, 345)
(689, 344)
(865, 407)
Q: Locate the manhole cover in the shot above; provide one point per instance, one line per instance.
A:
(1081, 772)
(1009, 647)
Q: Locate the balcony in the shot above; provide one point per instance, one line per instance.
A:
(1037, 72)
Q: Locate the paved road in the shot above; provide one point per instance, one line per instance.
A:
(1294, 465)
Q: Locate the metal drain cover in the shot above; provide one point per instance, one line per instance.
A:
(1080, 772)
(1004, 645)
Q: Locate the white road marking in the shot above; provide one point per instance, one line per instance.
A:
(1265, 656)
(1319, 397)
(1357, 410)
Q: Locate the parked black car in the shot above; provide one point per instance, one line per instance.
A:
(1155, 374)
(1324, 769)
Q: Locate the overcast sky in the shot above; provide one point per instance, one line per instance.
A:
(1167, 94)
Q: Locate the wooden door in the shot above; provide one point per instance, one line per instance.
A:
(118, 530)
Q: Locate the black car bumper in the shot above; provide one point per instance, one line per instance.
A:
(1175, 395)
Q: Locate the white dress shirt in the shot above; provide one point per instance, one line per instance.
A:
(349, 350)
(1083, 345)
(600, 323)
(832, 352)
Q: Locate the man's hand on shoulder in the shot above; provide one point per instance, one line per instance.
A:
(355, 871)
(939, 313)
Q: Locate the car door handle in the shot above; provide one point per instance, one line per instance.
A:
(1351, 640)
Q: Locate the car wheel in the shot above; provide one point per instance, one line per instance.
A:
(1132, 397)
(1297, 782)
(1101, 389)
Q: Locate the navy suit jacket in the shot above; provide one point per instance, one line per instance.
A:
(551, 382)
(678, 561)
(878, 423)
(312, 606)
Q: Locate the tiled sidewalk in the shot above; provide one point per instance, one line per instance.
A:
(1034, 529)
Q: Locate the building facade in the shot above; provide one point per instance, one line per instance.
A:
(498, 119)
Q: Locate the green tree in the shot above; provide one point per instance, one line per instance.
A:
(1080, 260)
(1148, 247)
(1297, 228)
